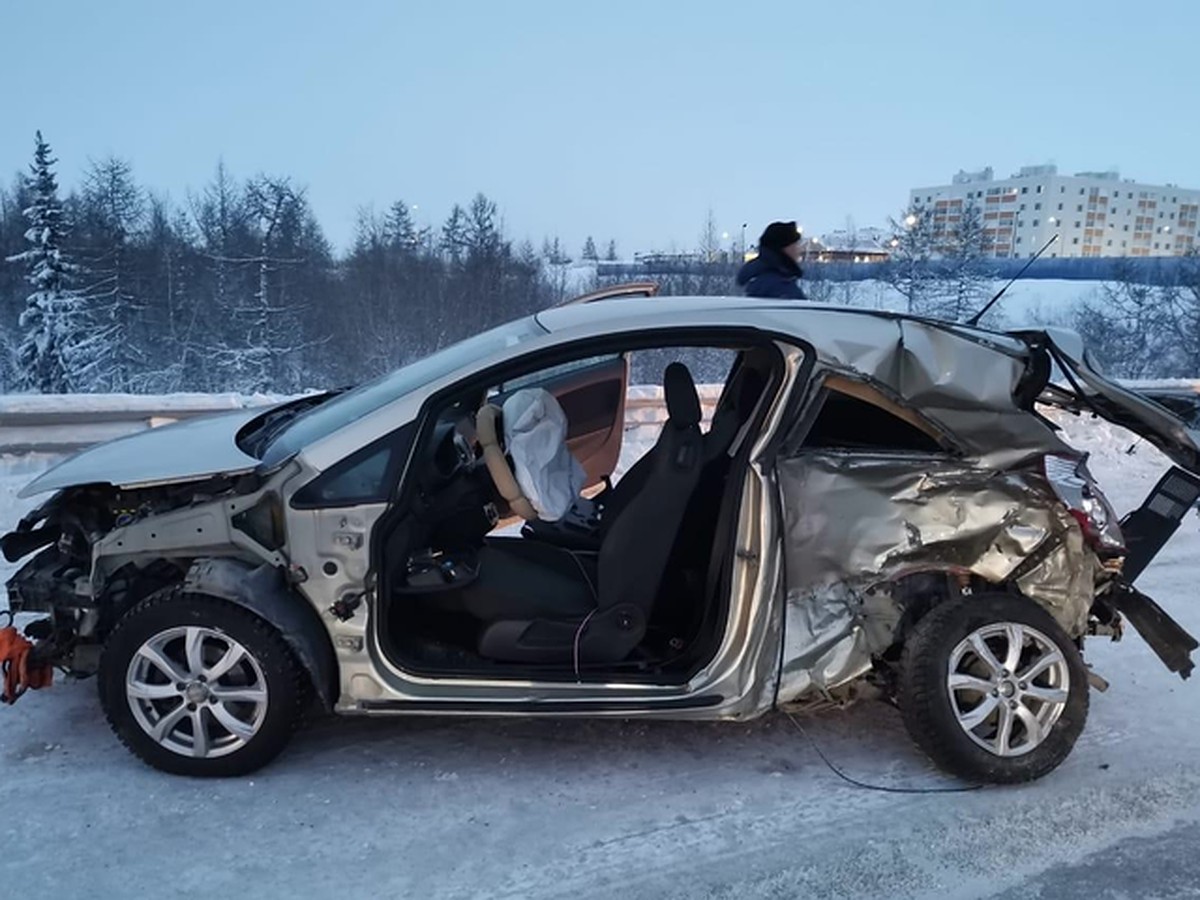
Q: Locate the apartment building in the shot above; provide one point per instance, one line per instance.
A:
(1095, 214)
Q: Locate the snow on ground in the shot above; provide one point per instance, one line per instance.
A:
(457, 808)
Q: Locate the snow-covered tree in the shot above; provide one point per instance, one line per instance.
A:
(962, 269)
(54, 354)
(710, 241)
(1181, 299)
(589, 250)
(611, 253)
(272, 204)
(113, 210)
(482, 234)
(453, 243)
(909, 270)
(399, 230)
(553, 253)
(1126, 325)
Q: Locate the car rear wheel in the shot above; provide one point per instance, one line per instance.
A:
(194, 685)
(993, 689)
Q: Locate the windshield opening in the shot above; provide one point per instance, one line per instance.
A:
(314, 422)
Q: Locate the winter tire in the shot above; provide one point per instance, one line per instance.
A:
(992, 689)
(194, 685)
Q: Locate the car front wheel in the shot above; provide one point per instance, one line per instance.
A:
(194, 685)
(993, 689)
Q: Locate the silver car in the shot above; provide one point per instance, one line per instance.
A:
(876, 503)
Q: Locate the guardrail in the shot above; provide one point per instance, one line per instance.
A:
(51, 423)
(63, 423)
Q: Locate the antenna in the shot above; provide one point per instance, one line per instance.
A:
(974, 320)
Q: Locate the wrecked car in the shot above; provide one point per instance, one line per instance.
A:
(873, 499)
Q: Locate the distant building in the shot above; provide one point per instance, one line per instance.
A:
(1094, 213)
(866, 244)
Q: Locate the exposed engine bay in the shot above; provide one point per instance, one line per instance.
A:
(58, 580)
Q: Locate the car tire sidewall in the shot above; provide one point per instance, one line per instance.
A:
(926, 705)
(170, 609)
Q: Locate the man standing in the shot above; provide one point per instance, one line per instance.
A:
(775, 271)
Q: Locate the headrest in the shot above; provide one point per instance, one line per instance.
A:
(683, 403)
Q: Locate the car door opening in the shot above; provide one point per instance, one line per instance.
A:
(482, 576)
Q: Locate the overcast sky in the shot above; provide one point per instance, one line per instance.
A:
(617, 119)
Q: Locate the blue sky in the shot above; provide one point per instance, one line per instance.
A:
(620, 119)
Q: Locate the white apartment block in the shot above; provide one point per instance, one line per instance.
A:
(1094, 213)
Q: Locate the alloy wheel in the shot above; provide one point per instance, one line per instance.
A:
(196, 691)
(1008, 684)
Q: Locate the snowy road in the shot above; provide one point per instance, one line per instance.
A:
(533, 809)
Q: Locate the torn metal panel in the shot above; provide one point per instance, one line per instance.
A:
(855, 523)
(922, 366)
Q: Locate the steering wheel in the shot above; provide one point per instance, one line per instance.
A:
(497, 466)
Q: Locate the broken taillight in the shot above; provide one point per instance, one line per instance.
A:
(1071, 480)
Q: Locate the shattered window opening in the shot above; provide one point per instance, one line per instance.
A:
(855, 416)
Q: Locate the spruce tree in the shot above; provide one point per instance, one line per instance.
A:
(53, 352)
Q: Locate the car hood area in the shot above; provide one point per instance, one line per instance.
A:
(183, 451)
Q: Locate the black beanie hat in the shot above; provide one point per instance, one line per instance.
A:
(778, 235)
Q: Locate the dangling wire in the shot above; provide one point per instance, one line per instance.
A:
(578, 635)
(875, 787)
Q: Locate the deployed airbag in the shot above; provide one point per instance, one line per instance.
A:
(535, 435)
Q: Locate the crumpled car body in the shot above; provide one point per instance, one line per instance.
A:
(890, 462)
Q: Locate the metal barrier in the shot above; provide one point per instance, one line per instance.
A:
(64, 424)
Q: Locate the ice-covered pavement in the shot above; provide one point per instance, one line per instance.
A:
(440, 808)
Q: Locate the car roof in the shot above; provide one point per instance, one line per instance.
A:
(829, 327)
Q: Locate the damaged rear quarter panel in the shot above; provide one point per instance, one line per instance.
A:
(855, 522)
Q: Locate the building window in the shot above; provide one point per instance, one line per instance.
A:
(1123, 243)
(1021, 223)
(1035, 223)
(1079, 208)
(1060, 206)
(1081, 192)
(1172, 216)
(1022, 207)
(1039, 188)
(1074, 240)
(1018, 240)
(1062, 190)
(1130, 196)
(1110, 243)
(1076, 223)
(1125, 229)
(1037, 206)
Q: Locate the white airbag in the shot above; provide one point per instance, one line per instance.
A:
(535, 436)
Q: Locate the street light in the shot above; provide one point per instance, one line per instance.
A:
(910, 220)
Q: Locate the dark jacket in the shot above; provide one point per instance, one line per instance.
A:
(771, 274)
